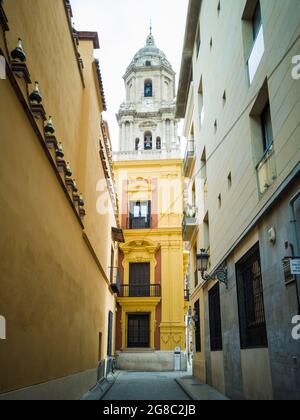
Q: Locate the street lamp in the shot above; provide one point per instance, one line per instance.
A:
(202, 265)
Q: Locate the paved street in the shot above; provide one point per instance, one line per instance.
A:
(146, 386)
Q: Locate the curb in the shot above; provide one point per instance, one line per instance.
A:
(110, 386)
(98, 392)
(184, 390)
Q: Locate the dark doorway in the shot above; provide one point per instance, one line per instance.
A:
(139, 331)
(139, 280)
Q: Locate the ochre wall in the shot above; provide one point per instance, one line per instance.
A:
(53, 295)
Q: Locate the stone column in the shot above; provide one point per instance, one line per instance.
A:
(172, 327)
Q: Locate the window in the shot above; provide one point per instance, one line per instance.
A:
(110, 334)
(197, 327)
(148, 89)
(215, 322)
(266, 125)
(158, 143)
(200, 103)
(256, 21)
(229, 178)
(263, 141)
(148, 140)
(224, 97)
(251, 301)
(137, 144)
(148, 63)
(216, 125)
(167, 91)
(258, 44)
(140, 215)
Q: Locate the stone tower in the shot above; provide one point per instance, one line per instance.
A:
(148, 128)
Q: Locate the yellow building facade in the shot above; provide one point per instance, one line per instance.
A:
(56, 247)
(149, 176)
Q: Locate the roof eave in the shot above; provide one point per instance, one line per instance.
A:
(187, 57)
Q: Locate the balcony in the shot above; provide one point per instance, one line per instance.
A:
(266, 171)
(189, 158)
(190, 223)
(139, 223)
(138, 155)
(132, 290)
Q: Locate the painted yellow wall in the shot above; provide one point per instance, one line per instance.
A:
(54, 296)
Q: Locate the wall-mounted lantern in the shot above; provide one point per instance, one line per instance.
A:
(202, 265)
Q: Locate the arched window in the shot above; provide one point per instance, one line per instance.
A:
(148, 140)
(148, 89)
(167, 90)
(137, 144)
(158, 143)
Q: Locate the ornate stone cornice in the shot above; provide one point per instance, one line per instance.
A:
(140, 245)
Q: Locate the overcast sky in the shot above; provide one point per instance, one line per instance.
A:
(123, 26)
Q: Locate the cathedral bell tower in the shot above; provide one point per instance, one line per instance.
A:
(148, 128)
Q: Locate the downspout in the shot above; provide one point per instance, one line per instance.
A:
(295, 239)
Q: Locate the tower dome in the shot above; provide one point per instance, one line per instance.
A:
(148, 127)
(150, 55)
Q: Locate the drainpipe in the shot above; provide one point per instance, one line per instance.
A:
(295, 238)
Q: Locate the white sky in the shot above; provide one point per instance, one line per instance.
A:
(123, 26)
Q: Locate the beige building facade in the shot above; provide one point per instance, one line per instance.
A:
(56, 246)
(239, 94)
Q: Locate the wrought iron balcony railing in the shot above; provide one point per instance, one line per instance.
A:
(132, 290)
(190, 222)
(139, 223)
(266, 171)
(189, 156)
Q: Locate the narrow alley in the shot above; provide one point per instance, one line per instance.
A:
(141, 386)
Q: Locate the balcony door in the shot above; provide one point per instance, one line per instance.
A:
(139, 280)
(140, 215)
(138, 331)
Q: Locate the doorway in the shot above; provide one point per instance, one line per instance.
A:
(138, 330)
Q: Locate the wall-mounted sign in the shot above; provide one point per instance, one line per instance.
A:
(295, 266)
